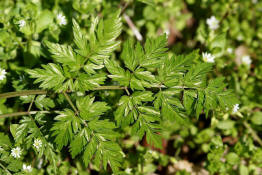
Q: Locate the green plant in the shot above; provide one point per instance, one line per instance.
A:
(79, 94)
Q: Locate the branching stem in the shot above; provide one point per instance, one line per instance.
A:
(70, 102)
(22, 93)
(42, 92)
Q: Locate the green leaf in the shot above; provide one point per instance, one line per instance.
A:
(104, 129)
(103, 38)
(155, 49)
(44, 20)
(171, 107)
(66, 125)
(257, 118)
(226, 124)
(90, 109)
(112, 155)
(124, 114)
(90, 150)
(79, 142)
(219, 41)
(117, 73)
(90, 68)
(88, 82)
(15, 165)
(215, 94)
(232, 158)
(43, 102)
(128, 55)
(196, 77)
(145, 96)
(61, 53)
(22, 130)
(5, 141)
(13, 129)
(173, 68)
(51, 77)
(80, 40)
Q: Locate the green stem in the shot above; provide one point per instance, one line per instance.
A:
(70, 102)
(4, 168)
(22, 93)
(253, 133)
(22, 113)
(108, 88)
(39, 92)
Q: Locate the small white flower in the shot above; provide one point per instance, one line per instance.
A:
(2, 74)
(207, 57)
(229, 50)
(61, 19)
(212, 23)
(235, 108)
(1, 148)
(21, 23)
(27, 168)
(16, 152)
(37, 143)
(246, 60)
(128, 170)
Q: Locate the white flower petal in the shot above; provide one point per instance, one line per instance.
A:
(207, 57)
(21, 23)
(37, 144)
(212, 23)
(235, 108)
(2, 74)
(61, 19)
(16, 152)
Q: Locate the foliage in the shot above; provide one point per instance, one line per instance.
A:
(91, 97)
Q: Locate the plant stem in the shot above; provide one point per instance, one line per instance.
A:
(31, 104)
(22, 113)
(109, 88)
(39, 92)
(22, 93)
(70, 102)
(253, 133)
(4, 168)
(133, 27)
